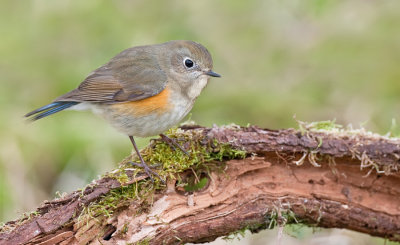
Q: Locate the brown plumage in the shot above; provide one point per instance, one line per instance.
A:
(143, 90)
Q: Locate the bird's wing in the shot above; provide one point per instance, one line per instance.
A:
(132, 75)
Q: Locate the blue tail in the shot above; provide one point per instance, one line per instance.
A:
(49, 109)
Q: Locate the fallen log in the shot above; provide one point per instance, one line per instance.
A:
(236, 178)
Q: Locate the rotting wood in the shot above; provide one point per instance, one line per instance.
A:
(356, 186)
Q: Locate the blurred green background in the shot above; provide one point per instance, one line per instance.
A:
(315, 59)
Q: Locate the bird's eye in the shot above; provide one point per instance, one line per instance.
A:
(188, 63)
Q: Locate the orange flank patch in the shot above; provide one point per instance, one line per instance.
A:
(156, 104)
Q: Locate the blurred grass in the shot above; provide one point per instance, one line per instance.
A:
(315, 59)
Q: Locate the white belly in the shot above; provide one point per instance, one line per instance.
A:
(149, 125)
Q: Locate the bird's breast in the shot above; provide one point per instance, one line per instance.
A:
(149, 116)
(157, 104)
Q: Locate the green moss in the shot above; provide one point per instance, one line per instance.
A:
(281, 218)
(115, 199)
(119, 174)
(203, 158)
(196, 185)
(175, 161)
(328, 125)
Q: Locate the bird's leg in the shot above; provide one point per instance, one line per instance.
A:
(172, 143)
(142, 164)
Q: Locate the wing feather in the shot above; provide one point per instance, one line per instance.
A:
(132, 75)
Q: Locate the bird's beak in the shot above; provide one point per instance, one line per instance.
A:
(212, 74)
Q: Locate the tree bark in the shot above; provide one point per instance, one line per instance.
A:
(332, 179)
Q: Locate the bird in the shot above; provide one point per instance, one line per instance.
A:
(142, 91)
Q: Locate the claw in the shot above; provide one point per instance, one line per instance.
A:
(173, 144)
(148, 171)
(142, 164)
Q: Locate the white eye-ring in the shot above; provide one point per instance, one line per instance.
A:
(188, 62)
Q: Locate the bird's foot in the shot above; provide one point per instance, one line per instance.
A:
(147, 170)
(172, 143)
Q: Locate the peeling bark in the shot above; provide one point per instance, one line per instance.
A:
(325, 179)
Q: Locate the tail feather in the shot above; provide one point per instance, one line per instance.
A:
(50, 109)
